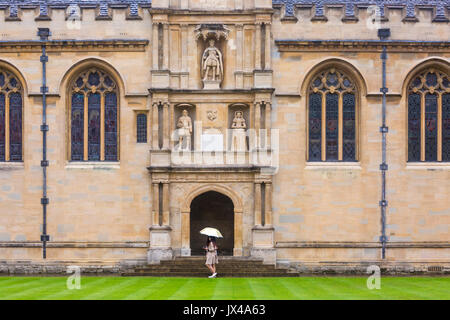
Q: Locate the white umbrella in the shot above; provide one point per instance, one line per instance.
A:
(212, 232)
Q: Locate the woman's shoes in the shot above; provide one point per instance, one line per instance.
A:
(213, 275)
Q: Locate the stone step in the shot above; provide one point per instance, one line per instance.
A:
(203, 274)
(195, 267)
(270, 268)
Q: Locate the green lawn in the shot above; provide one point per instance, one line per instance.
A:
(116, 288)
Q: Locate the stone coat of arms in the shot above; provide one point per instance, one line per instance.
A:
(212, 115)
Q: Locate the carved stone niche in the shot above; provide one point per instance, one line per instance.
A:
(235, 135)
(181, 144)
(211, 39)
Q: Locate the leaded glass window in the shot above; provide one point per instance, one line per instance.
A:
(94, 117)
(332, 117)
(11, 117)
(429, 117)
(141, 127)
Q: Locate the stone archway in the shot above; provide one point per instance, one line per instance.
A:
(186, 217)
(212, 209)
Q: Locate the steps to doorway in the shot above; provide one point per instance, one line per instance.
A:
(195, 267)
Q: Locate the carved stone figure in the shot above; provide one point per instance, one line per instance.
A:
(239, 121)
(238, 138)
(184, 126)
(212, 63)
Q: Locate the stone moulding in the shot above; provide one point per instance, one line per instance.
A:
(362, 45)
(218, 31)
(74, 244)
(111, 45)
(355, 244)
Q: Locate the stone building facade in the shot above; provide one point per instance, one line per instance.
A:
(261, 118)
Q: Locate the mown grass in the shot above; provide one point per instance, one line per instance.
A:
(145, 288)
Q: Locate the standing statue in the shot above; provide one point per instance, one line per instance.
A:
(238, 139)
(184, 126)
(212, 63)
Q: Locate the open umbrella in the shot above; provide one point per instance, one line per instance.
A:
(212, 232)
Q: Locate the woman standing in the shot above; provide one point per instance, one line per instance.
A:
(211, 256)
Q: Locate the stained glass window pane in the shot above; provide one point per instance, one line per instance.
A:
(15, 126)
(94, 127)
(315, 126)
(446, 127)
(414, 127)
(349, 130)
(332, 130)
(111, 127)
(431, 127)
(141, 128)
(77, 127)
(2, 126)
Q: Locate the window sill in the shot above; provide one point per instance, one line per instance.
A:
(93, 165)
(428, 166)
(11, 165)
(333, 165)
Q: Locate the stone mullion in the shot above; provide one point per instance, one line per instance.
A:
(185, 232)
(166, 205)
(155, 48)
(268, 62)
(7, 133)
(268, 205)
(166, 125)
(184, 47)
(166, 46)
(155, 126)
(340, 128)
(102, 127)
(239, 47)
(171, 125)
(238, 215)
(86, 127)
(268, 124)
(257, 123)
(422, 127)
(258, 217)
(155, 206)
(439, 131)
(324, 128)
(258, 47)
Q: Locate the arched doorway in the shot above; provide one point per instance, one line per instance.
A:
(212, 209)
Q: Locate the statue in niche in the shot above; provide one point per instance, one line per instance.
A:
(212, 63)
(184, 126)
(238, 138)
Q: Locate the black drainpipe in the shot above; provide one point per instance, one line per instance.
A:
(383, 34)
(43, 34)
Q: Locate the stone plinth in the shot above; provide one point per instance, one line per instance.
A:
(263, 244)
(160, 244)
(211, 84)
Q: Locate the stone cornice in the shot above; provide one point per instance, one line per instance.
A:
(114, 45)
(357, 244)
(362, 45)
(74, 244)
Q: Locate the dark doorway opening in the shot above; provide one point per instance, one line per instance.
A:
(212, 209)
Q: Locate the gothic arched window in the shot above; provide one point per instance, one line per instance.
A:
(332, 117)
(94, 117)
(429, 117)
(11, 115)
